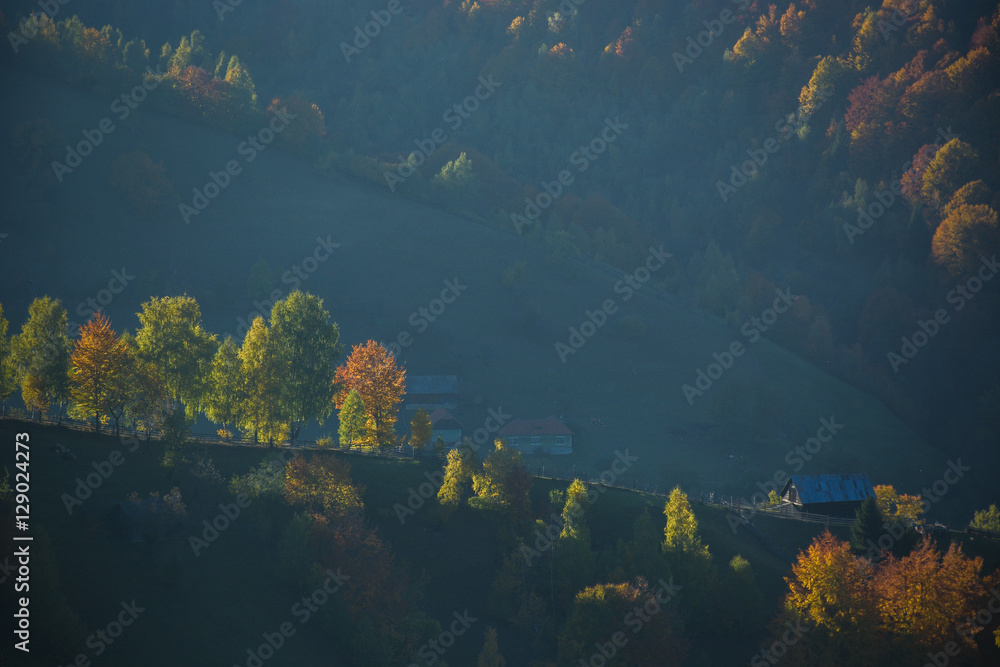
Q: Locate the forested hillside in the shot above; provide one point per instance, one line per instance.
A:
(840, 155)
(849, 155)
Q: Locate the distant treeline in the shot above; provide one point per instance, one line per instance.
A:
(283, 374)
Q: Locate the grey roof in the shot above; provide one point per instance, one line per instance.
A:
(432, 384)
(831, 488)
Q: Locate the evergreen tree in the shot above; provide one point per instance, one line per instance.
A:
(490, 657)
(681, 532)
(353, 430)
(373, 372)
(244, 93)
(988, 519)
(867, 527)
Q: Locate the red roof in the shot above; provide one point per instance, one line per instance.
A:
(548, 426)
(442, 415)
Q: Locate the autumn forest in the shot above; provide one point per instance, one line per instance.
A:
(547, 300)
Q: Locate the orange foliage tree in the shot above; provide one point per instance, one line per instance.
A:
(376, 591)
(925, 594)
(852, 611)
(305, 134)
(966, 235)
(99, 369)
(372, 371)
(140, 180)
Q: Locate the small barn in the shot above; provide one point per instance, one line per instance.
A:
(431, 392)
(445, 426)
(136, 520)
(834, 495)
(538, 436)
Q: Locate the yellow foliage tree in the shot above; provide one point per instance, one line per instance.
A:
(829, 587)
(323, 485)
(895, 507)
(99, 369)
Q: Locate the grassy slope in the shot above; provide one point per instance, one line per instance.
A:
(195, 597)
(393, 259)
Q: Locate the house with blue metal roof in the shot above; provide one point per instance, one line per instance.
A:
(431, 392)
(835, 495)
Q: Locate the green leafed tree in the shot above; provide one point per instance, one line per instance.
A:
(149, 402)
(7, 376)
(600, 611)
(308, 346)
(642, 556)
(353, 430)
(420, 429)
(225, 401)
(826, 80)
(260, 383)
(741, 589)
(458, 178)
(504, 483)
(295, 552)
(172, 339)
(41, 355)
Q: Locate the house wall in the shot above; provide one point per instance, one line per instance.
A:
(447, 434)
(546, 444)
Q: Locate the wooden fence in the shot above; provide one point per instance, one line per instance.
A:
(563, 472)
